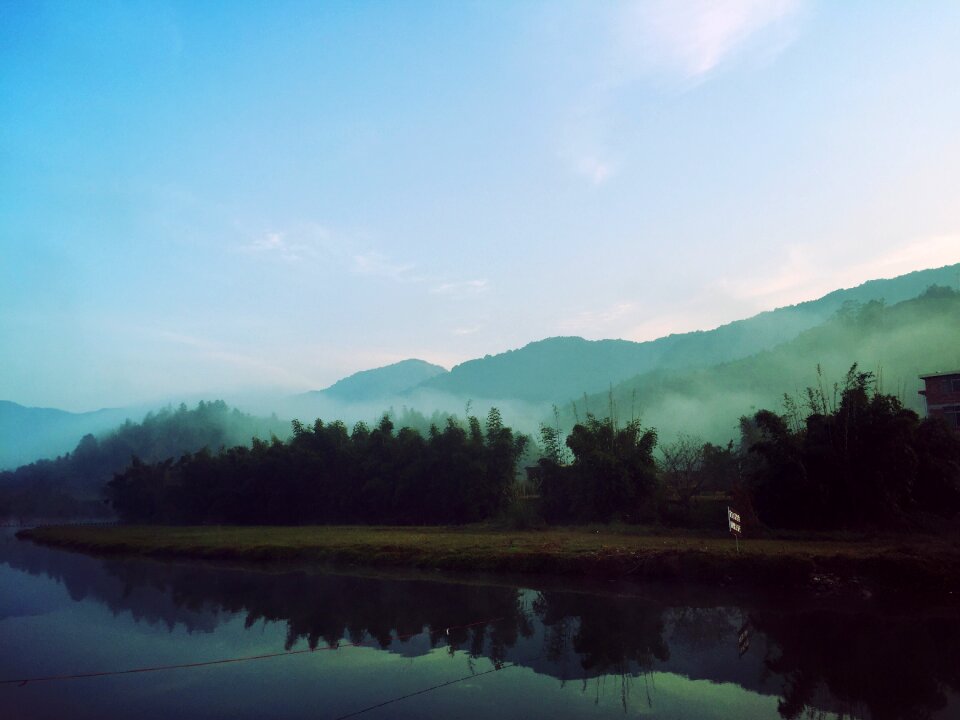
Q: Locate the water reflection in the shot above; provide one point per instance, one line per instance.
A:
(860, 659)
(875, 665)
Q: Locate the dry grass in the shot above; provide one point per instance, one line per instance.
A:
(915, 561)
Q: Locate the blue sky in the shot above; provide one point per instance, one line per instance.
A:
(214, 197)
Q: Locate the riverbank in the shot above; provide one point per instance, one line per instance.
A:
(909, 562)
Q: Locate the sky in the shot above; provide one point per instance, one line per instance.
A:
(213, 197)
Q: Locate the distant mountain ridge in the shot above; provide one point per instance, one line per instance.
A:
(71, 485)
(559, 369)
(382, 382)
(361, 396)
(30, 433)
(896, 342)
(554, 370)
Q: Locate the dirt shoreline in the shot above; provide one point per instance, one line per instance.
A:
(915, 563)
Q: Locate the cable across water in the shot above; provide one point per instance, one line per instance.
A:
(156, 668)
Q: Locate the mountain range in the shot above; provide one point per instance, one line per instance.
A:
(563, 371)
(29, 433)
(560, 369)
(897, 343)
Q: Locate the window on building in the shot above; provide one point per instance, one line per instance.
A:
(955, 385)
(951, 413)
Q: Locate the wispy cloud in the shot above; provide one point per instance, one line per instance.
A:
(793, 276)
(693, 37)
(915, 254)
(214, 353)
(465, 287)
(343, 252)
(674, 43)
(314, 243)
(306, 244)
(467, 330)
(603, 320)
(595, 169)
(809, 271)
(584, 140)
(376, 264)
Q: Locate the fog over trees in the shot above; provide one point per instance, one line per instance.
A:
(846, 456)
(895, 342)
(72, 485)
(326, 474)
(849, 451)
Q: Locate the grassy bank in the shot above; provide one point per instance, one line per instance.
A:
(916, 562)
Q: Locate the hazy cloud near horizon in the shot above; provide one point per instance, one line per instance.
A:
(202, 200)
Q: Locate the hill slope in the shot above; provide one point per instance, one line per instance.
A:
(561, 369)
(361, 396)
(383, 382)
(897, 342)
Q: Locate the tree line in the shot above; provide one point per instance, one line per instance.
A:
(848, 456)
(326, 474)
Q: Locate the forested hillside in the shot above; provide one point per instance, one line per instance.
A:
(897, 342)
(563, 368)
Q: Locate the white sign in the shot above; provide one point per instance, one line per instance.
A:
(743, 639)
(733, 522)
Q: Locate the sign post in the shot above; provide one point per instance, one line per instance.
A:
(743, 638)
(733, 524)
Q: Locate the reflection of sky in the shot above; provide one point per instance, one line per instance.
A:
(22, 594)
(85, 636)
(60, 635)
(127, 614)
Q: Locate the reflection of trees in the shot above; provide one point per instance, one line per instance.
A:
(614, 637)
(878, 667)
(610, 634)
(321, 607)
(330, 607)
(704, 629)
(124, 586)
(874, 665)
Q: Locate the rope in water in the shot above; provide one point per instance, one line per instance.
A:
(425, 690)
(76, 676)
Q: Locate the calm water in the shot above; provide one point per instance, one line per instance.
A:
(396, 647)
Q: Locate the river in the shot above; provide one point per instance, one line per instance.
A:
(308, 642)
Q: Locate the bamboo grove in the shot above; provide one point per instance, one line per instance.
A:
(851, 458)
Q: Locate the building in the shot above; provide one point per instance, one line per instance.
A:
(942, 394)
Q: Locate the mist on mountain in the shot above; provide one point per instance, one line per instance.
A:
(696, 384)
(896, 342)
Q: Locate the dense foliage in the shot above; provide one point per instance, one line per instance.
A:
(612, 476)
(851, 458)
(858, 458)
(458, 474)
